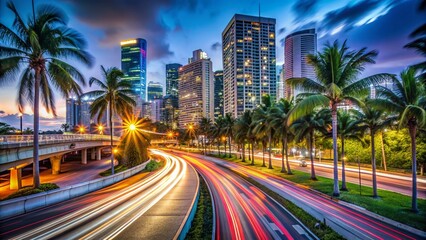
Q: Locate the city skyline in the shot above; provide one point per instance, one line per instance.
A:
(377, 28)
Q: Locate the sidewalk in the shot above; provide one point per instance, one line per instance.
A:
(72, 172)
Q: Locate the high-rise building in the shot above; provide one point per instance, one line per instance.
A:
(157, 107)
(133, 65)
(280, 82)
(218, 94)
(172, 76)
(297, 47)
(85, 117)
(170, 113)
(196, 89)
(155, 90)
(249, 62)
(72, 112)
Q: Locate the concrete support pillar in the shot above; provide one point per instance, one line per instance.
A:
(55, 161)
(84, 156)
(15, 178)
(98, 154)
(93, 154)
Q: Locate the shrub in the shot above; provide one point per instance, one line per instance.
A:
(44, 187)
(153, 165)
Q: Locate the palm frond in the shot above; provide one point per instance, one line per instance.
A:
(307, 106)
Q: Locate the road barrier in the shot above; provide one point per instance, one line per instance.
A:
(21, 205)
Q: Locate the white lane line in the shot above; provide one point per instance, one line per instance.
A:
(275, 227)
(299, 229)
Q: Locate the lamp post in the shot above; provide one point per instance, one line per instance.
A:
(81, 129)
(101, 129)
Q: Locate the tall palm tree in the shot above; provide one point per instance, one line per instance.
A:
(347, 129)
(217, 131)
(242, 126)
(228, 129)
(306, 126)
(408, 100)
(279, 117)
(374, 120)
(114, 95)
(204, 128)
(39, 47)
(337, 70)
(264, 129)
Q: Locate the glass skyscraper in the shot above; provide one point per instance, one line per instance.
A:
(133, 64)
(155, 90)
(218, 93)
(172, 76)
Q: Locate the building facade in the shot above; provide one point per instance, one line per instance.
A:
(297, 47)
(133, 65)
(218, 94)
(280, 82)
(72, 112)
(170, 113)
(249, 62)
(172, 76)
(196, 90)
(155, 90)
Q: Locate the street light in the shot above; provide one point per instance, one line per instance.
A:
(132, 127)
(101, 129)
(20, 121)
(81, 129)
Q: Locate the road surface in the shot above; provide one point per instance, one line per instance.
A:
(104, 214)
(350, 223)
(242, 211)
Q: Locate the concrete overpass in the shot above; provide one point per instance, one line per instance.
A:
(16, 151)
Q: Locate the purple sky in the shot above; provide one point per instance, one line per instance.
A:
(174, 29)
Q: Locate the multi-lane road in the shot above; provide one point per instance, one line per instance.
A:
(351, 223)
(242, 211)
(103, 214)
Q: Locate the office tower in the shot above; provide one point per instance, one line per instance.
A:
(172, 76)
(155, 90)
(297, 46)
(248, 52)
(280, 82)
(85, 117)
(133, 65)
(170, 113)
(196, 87)
(72, 112)
(218, 94)
(157, 107)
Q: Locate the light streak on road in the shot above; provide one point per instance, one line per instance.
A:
(355, 223)
(108, 217)
(243, 211)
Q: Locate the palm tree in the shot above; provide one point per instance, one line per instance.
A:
(264, 128)
(306, 126)
(347, 129)
(279, 117)
(242, 126)
(337, 70)
(204, 128)
(6, 128)
(217, 130)
(65, 126)
(374, 120)
(228, 130)
(114, 95)
(408, 100)
(39, 47)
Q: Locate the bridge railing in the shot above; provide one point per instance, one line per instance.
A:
(27, 140)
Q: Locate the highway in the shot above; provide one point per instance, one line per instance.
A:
(242, 211)
(352, 224)
(395, 182)
(103, 214)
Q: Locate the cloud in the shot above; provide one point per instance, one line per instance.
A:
(28, 119)
(281, 31)
(303, 8)
(121, 19)
(215, 46)
(2, 112)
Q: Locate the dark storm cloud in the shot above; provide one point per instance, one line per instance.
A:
(215, 46)
(304, 8)
(118, 19)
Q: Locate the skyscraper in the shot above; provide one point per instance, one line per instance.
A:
(72, 112)
(297, 46)
(196, 89)
(249, 62)
(133, 65)
(172, 76)
(155, 90)
(280, 82)
(218, 94)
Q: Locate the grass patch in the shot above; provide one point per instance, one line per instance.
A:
(44, 187)
(389, 204)
(154, 165)
(202, 224)
(323, 232)
(117, 169)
